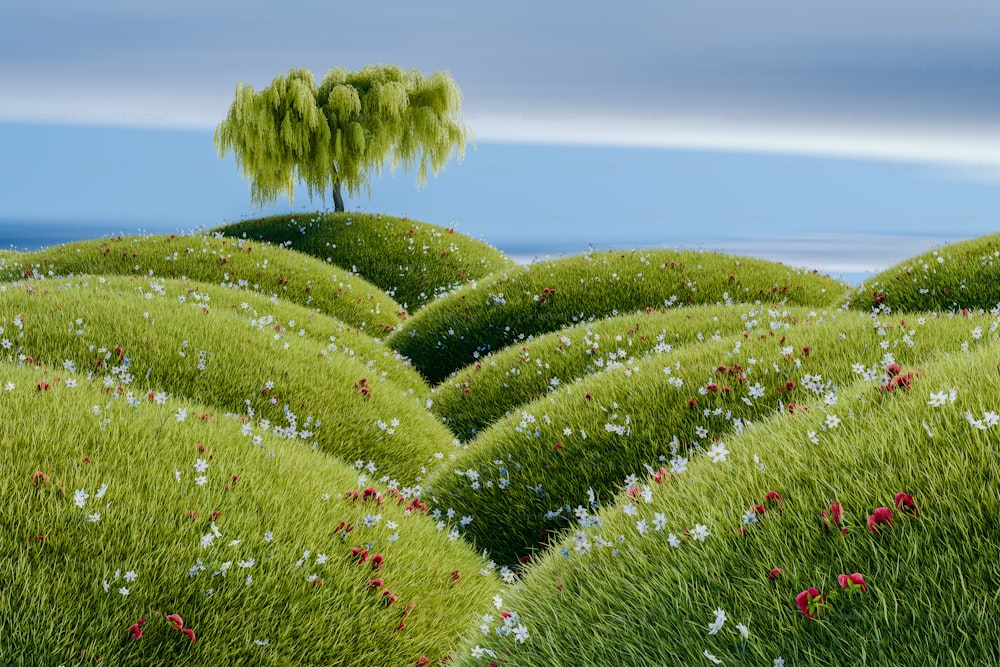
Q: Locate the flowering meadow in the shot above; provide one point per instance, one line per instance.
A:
(359, 440)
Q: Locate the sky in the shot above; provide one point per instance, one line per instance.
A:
(844, 136)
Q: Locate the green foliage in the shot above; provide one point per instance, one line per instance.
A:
(953, 277)
(413, 262)
(484, 392)
(218, 260)
(342, 131)
(258, 593)
(522, 478)
(180, 338)
(480, 318)
(931, 577)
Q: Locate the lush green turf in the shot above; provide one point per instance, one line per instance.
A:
(489, 389)
(168, 336)
(255, 267)
(522, 478)
(480, 318)
(413, 261)
(621, 403)
(952, 277)
(268, 580)
(931, 577)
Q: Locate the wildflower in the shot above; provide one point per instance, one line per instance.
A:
(775, 573)
(904, 503)
(809, 602)
(176, 622)
(718, 453)
(711, 657)
(851, 581)
(190, 634)
(720, 620)
(882, 515)
(423, 661)
(744, 630)
(375, 583)
(832, 421)
(135, 631)
(772, 497)
(80, 498)
(699, 532)
(39, 479)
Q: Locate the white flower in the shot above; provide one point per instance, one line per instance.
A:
(181, 414)
(642, 527)
(497, 601)
(101, 491)
(94, 518)
(779, 661)
(80, 498)
(123, 591)
(130, 576)
(659, 521)
(712, 657)
(673, 540)
(832, 421)
(262, 642)
(744, 630)
(521, 633)
(718, 453)
(937, 399)
(201, 465)
(720, 620)
(201, 480)
(699, 532)
(320, 559)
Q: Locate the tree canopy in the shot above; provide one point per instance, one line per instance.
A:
(338, 134)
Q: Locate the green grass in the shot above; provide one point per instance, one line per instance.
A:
(413, 261)
(215, 351)
(932, 578)
(506, 309)
(483, 392)
(263, 269)
(275, 500)
(161, 367)
(952, 277)
(531, 470)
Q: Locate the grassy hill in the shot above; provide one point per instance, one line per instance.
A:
(952, 277)
(639, 585)
(413, 261)
(170, 336)
(271, 271)
(188, 434)
(508, 308)
(117, 513)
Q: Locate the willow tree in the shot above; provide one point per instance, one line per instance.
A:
(337, 135)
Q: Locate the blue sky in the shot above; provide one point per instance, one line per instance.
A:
(840, 135)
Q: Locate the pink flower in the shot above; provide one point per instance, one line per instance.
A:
(882, 515)
(39, 478)
(135, 631)
(847, 581)
(773, 497)
(176, 622)
(904, 503)
(377, 560)
(775, 573)
(375, 583)
(190, 634)
(808, 602)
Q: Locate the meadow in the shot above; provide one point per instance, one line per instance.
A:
(351, 439)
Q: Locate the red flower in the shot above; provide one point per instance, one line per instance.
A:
(904, 503)
(377, 560)
(808, 602)
(39, 478)
(190, 634)
(176, 622)
(882, 515)
(773, 497)
(836, 513)
(374, 583)
(423, 661)
(775, 573)
(135, 631)
(846, 581)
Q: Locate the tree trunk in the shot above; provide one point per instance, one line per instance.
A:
(338, 199)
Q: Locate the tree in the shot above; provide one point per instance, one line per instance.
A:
(337, 135)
